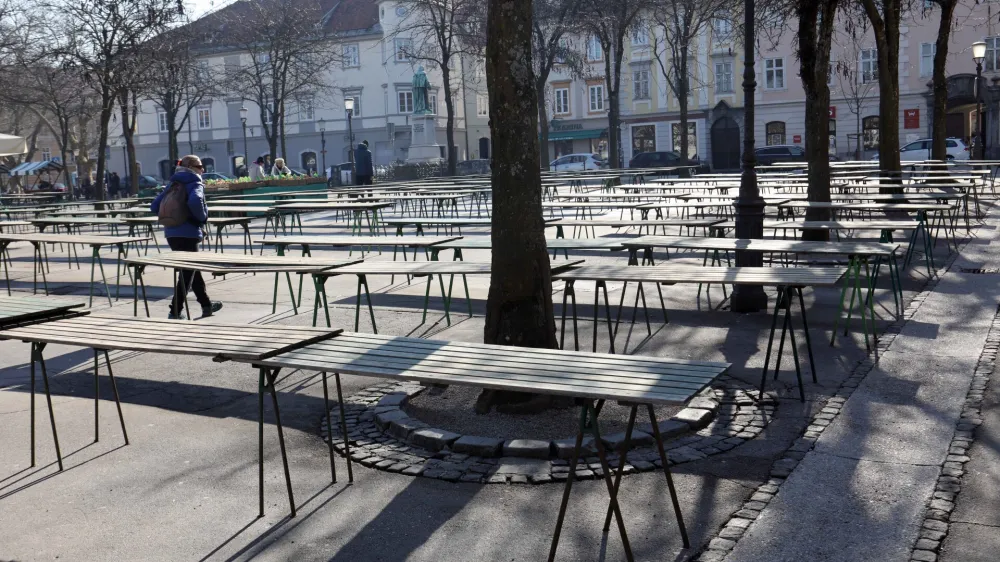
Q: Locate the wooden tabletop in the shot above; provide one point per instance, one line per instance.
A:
(486, 243)
(348, 241)
(635, 222)
(421, 268)
(246, 342)
(551, 371)
(672, 274)
(765, 245)
(221, 264)
(331, 206)
(839, 205)
(19, 310)
(833, 225)
(83, 239)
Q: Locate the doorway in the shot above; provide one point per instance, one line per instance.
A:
(725, 144)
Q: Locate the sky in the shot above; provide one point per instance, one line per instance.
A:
(198, 8)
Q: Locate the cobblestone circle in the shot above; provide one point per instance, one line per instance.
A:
(384, 437)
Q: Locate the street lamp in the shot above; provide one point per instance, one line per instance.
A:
(978, 55)
(246, 155)
(349, 107)
(749, 205)
(322, 143)
(128, 186)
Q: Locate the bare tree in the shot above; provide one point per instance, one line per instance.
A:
(816, 21)
(552, 24)
(179, 83)
(884, 17)
(611, 23)
(288, 54)
(519, 307)
(441, 32)
(939, 134)
(678, 24)
(856, 88)
(100, 38)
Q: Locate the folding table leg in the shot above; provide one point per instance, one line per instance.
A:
(343, 429)
(329, 429)
(770, 341)
(36, 355)
(805, 328)
(666, 472)
(114, 388)
(271, 375)
(622, 458)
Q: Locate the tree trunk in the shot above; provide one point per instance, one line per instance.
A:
(449, 107)
(519, 307)
(613, 124)
(107, 105)
(886, 29)
(939, 150)
(173, 130)
(814, 63)
(682, 100)
(543, 128)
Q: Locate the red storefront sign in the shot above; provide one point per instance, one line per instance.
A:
(833, 112)
(797, 139)
(911, 118)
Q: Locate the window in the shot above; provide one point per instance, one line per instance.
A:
(46, 153)
(643, 139)
(927, 51)
(721, 29)
(209, 164)
(774, 74)
(482, 105)
(869, 126)
(405, 102)
(561, 49)
(308, 161)
(640, 85)
(992, 62)
(640, 36)
(161, 121)
(262, 58)
(562, 101)
(352, 56)
(594, 50)
(832, 147)
(869, 65)
(403, 48)
(775, 132)
(202, 72)
(929, 4)
(692, 138)
(306, 110)
(204, 118)
(432, 103)
(723, 77)
(596, 95)
(831, 71)
(357, 103)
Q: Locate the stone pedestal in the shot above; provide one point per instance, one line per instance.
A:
(423, 144)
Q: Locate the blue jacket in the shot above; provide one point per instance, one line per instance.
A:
(196, 204)
(363, 161)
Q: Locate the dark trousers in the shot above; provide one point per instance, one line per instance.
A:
(364, 180)
(188, 279)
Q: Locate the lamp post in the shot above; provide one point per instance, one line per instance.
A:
(322, 144)
(349, 107)
(246, 155)
(978, 55)
(749, 205)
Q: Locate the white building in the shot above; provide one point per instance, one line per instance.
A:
(375, 72)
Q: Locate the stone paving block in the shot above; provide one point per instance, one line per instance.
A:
(479, 446)
(564, 447)
(529, 448)
(614, 441)
(695, 418)
(394, 399)
(402, 428)
(433, 439)
(383, 419)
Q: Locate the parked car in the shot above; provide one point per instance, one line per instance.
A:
(577, 162)
(473, 167)
(216, 176)
(663, 159)
(768, 155)
(148, 182)
(921, 150)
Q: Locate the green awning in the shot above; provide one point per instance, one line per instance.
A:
(575, 135)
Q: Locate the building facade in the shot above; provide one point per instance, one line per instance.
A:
(376, 71)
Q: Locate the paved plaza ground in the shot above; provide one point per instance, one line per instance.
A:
(866, 468)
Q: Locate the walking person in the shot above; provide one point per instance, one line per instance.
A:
(363, 164)
(184, 215)
(114, 185)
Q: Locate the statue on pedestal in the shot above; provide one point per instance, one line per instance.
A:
(420, 88)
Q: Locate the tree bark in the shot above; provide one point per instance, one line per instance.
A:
(543, 127)
(939, 134)
(816, 21)
(684, 87)
(449, 106)
(885, 26)
(519, 308)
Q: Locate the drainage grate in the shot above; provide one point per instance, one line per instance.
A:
(980, 270)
